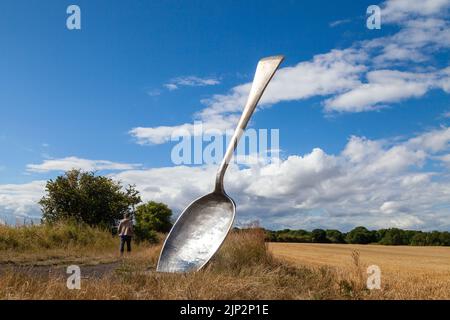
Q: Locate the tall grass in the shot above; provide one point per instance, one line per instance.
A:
(63, 235)
(242, 251)
(63, 242)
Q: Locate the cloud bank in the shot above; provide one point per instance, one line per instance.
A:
(370, 182)
(68, 163)
(376, 183)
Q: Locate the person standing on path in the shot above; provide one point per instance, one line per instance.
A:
(125, 231)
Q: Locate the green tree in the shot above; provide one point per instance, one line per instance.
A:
(85, 197)
(419, 239)
(360, 235)
(433, 238)
(335, 236)
(319, 236)
(409, 235)
(152, 217)
(445, 238)
(380, 234)
(394, 236)
(270, 236)
(287, 235)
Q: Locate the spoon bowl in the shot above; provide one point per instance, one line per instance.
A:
(198, 233)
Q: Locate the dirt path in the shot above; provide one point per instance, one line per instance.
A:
(87, 271)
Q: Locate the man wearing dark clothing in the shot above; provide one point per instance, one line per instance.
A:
(125, 231)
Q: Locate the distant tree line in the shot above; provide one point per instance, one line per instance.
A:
(361, 235)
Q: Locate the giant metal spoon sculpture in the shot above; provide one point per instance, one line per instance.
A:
(203, 226)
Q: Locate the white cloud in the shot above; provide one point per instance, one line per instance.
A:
(382, 86)
(415, 42)
(376, 183)
(339, 22)
(69, 163)
(21, 199)
(445, 79)
(445, 159)
(402, 10)
(393, 207)
(171, 86)
(434, 141)
(326, 74)
(190, 81)
(162, 134)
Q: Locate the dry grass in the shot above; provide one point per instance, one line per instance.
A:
(60, 243)
(235, 273)
(406, 272)
(59, 236)
(244, 268)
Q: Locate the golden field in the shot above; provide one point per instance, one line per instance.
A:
(407, 272)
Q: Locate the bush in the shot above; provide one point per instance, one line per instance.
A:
(95, 200)
(145, 234)
(151, 218)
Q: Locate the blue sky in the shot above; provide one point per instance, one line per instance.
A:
(346, 98)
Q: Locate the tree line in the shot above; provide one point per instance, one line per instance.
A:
(361, 235)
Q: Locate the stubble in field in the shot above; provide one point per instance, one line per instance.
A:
(407, 272)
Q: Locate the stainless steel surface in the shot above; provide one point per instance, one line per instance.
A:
(203, 226)
(264, 72)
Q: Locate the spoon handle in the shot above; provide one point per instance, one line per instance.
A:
(264, 72)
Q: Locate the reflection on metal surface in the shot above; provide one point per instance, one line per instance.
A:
(198, 233)
(203, 226)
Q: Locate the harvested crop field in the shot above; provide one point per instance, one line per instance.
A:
(406, 271)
